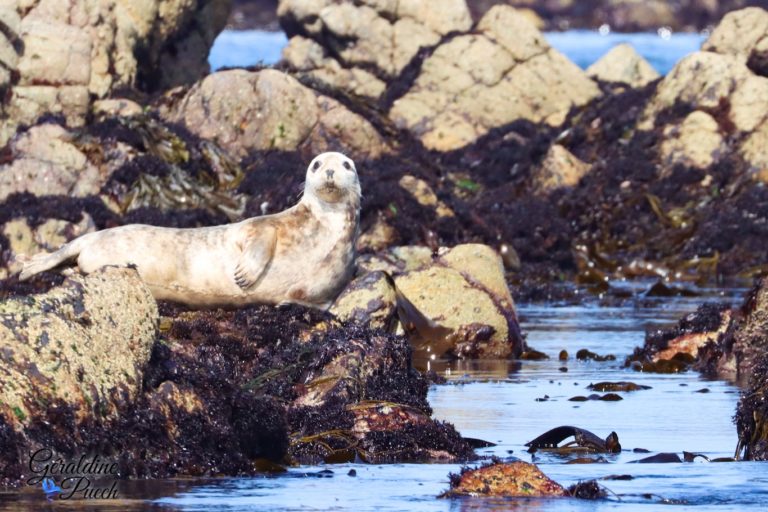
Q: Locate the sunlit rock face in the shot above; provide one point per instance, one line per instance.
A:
(59, 56)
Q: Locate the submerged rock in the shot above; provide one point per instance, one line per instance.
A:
(83, 345)
(499, 479)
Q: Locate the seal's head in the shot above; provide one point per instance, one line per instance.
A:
(332, 178)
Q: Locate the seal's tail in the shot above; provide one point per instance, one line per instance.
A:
(46, 261)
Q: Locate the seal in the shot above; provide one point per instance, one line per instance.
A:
(302, 255)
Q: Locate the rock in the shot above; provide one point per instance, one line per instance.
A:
(377, 237)
(501, 72)
(376, 38)
(739, 33)
(44, 161)
(702, 81)
(500, 479)
(424, 195)
(396, 259)
(65, 54)
(369, 300)
(560, 168)
(752, 415)
(116, 107)
(83, 344)
(696, 142)
(622, 64)
(246, 111)
(463, 292)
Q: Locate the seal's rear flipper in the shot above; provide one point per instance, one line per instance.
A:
(46, 261)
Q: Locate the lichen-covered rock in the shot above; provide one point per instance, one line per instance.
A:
(505, 479)
(622, 64)
(359, 46)
(57, 56)
(44, 161)
(696, 142)
(501, 72)
(370, 300)
(246, 111)
(560, 168)
(85, 343)
(464, 294)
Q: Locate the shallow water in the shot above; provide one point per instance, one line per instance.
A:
(249, 47)
(497, 401)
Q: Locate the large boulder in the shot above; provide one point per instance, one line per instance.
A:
(362, 45)
(245, 111)
(83, 344)
(500, 72)
(58, 56)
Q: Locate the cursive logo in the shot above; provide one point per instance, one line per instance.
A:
(82, 478)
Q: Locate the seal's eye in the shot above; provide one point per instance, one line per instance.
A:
(316, 166)
(347, 166)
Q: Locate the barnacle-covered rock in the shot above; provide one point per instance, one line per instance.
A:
(85, 343)
(622, 64)
(505, 479)
(370, 299)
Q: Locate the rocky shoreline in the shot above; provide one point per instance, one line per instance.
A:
(491, 167)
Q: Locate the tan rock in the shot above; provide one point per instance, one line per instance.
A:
(84, 342)
(396, 259)
(702, 80)
(70, 52)
(624, 65)
(243, 111)
(464, 295)
(310, 60)
(696, 142)
(120, 107)
(738, 33)
(560, 168)
(45, 162)
(378, 237)
(424, 195)
(480, 81)
(377, 34)
(369, 300)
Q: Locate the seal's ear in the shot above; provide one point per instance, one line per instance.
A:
(255, 258)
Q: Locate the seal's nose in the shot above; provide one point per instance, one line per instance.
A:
(329, 173)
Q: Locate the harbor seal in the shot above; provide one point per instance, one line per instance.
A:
(303, 255)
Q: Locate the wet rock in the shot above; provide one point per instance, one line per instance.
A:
(560, 168)
(659, 458)
(752, 415)
(273, 112)
(608, 397)
(456, 96)
(617, 386)
(698, 339)
(44, 161)
(587, 355)
(84, 343)
(464, 292)
(64, 55)
(738, 356)
(359, 46)
(498, 479)
(622, 64)
(370, 300)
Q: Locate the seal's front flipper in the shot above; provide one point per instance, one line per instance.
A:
(255, 258)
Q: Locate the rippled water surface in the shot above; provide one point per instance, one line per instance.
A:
(249, 47)
(497, 402)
